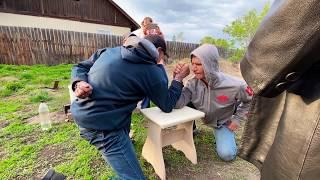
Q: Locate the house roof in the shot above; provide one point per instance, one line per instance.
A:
(83, 11)
(124, 13)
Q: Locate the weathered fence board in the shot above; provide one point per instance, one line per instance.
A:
(28, 46)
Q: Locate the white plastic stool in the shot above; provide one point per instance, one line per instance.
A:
(160, 135)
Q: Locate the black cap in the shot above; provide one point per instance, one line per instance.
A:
(158, 41)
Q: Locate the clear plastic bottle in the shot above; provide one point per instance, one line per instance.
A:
(44, 117)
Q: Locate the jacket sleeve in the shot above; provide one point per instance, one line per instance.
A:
(244, 97)
(185, 97)
(165, 98)
(80, 71)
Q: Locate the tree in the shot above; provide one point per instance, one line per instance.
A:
(242, 29)
(218, 42)
(174, 38)
(180, 37)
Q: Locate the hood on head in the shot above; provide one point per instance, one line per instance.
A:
(209, 56)
(139, 50)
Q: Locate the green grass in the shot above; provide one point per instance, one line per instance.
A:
(10, 87)
(27, 152)
(21, 92)
(40, 96)
(9, 106)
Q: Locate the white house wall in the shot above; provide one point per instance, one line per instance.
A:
(8, 19)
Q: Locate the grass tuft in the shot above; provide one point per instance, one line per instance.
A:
(40, 96)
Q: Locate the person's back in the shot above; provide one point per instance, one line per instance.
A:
(108, 87)
(119, 79)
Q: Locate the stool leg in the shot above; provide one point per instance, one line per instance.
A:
(186, 145)
(152, 149)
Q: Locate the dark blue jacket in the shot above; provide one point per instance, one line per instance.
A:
(120, 78)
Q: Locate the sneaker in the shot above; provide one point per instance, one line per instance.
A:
(52, 175)
(196, 132)
(131, 136)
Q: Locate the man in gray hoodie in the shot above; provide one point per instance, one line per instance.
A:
(217, 95)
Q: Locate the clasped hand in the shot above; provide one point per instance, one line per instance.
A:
(181, 71)
(83, 89)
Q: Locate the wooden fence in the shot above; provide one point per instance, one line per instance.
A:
(28, 46)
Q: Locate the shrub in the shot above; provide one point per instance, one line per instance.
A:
(237, 56)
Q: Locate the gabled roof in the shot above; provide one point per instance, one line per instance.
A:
(125, 14)
(83, 11)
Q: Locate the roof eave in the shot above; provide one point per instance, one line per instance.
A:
(137, 26)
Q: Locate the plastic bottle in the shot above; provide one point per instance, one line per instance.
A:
(44, 117)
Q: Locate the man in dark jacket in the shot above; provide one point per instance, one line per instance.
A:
(282, 66)
(109, 85)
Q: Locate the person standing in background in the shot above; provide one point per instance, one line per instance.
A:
(141, 32)
(147, 28)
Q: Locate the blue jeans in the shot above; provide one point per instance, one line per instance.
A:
(145, 103)
(117, 150)
(225, 143)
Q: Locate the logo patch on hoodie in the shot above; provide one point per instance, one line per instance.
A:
(249, 91)
(222, 99)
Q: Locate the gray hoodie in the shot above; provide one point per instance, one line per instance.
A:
(218, 100)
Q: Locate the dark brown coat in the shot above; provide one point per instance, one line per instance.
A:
(282, 65)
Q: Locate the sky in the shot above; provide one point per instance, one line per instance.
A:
(194, 18)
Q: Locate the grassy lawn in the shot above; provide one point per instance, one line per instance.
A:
(27, 152)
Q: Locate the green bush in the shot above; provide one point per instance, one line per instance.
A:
(237, 56)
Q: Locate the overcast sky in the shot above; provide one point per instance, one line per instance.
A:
(195, 18)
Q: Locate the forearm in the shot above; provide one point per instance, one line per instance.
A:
(80, 72)
(184, 99)
(174, 92)
(167, 98)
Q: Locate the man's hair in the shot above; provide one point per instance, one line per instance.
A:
(157, 41)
